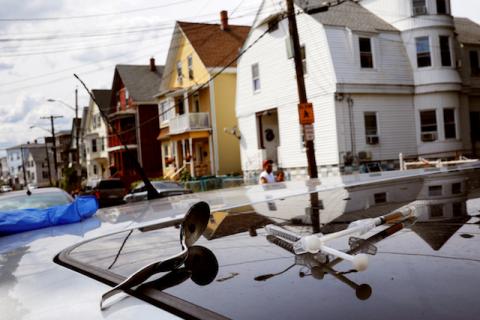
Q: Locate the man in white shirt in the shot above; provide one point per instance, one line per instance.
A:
(267, 174)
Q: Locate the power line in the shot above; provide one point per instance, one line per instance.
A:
(88, 16)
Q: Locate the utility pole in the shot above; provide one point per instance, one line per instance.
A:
(23, 168)
(54, 148)
(305, 108)
(77, 129)
(48, 162)
(306, 115)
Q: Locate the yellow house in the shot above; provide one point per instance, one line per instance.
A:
(198, 126)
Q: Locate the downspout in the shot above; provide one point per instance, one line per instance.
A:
(353, 148)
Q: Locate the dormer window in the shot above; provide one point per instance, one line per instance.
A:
(419, 7)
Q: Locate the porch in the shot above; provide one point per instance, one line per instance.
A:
(190, 151)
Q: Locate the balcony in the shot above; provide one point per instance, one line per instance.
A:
(189, 122)
(129, 138)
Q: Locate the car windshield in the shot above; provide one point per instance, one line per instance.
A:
(239, 255)
(111, 184)
(35, 201)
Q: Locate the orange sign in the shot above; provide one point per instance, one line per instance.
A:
(305, 113)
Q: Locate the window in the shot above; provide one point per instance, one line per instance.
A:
(445, 51)
(436, 211)
(163, 111)
(449, 123)
(179, 72)
(434, 191)
(457, 208)
(190, 67)
(45, 175)
(457, 188)
(102, 144)
(94, 169)
(419, 7)
(428, 123)
(442, 7)
(255, 77)
(196, 102)
(366, 55)
(370, 124)
(94, 145)
(474, 63)
(380, 197)
(423, 52)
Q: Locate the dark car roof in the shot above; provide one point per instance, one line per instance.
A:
(426, 267)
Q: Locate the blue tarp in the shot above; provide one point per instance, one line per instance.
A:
(16, 221)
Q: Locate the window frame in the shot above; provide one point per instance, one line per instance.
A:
(474, 69)
(256, 84)
(446, 4)
(444, 51)
(365, 115)
(424, 53)
(418, 13)
(179, 71)
(422, 131)
(94, 145)
(450, 123)
(363, 53)
(190, 67)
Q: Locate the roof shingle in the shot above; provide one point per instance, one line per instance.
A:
(348, 14)
(468, 31)
(103, 99)
(142, 83)
(214, 46)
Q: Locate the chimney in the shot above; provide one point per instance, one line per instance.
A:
(153, 67)
(224, 20)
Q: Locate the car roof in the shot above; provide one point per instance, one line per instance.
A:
(13, 194)
(412, 266)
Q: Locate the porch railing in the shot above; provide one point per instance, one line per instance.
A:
(189, 122)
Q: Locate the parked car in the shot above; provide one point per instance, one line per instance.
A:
(164, 188)
(39, 199)
(423, 267)
(5, 188)
(110, 192)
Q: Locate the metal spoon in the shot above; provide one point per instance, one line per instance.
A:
(192, 228)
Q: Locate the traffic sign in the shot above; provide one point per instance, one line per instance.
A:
(309, 132)
(305, 112)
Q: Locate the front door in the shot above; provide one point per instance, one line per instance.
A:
(269, 133)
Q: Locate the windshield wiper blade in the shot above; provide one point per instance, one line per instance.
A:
(152, 193)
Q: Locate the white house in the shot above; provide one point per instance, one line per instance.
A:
(382, 76)
(95, 137)
(18, 159)
(38, 168)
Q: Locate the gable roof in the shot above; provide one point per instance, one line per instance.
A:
(348, 14)
(141, 83)
(103, 99)
(38, 154)
(467, 31)
(214, 46)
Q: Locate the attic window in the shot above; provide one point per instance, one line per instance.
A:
(190, 67)
(179, 72)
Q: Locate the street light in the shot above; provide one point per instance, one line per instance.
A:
(32, 127)
(77, 132)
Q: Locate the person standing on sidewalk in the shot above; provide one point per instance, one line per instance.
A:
(267, 174)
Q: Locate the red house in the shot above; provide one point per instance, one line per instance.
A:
(134, 114)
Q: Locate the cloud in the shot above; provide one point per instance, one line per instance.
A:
(5, 66)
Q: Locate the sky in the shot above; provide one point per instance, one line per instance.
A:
(43, 43)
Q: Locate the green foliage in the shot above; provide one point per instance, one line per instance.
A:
(185, 176)
(70, 180)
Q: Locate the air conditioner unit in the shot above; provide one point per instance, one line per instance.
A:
(417, 11)
(364, 156)
(429, 136)
(373, 140)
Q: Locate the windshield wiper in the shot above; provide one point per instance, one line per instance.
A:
(152, 193)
